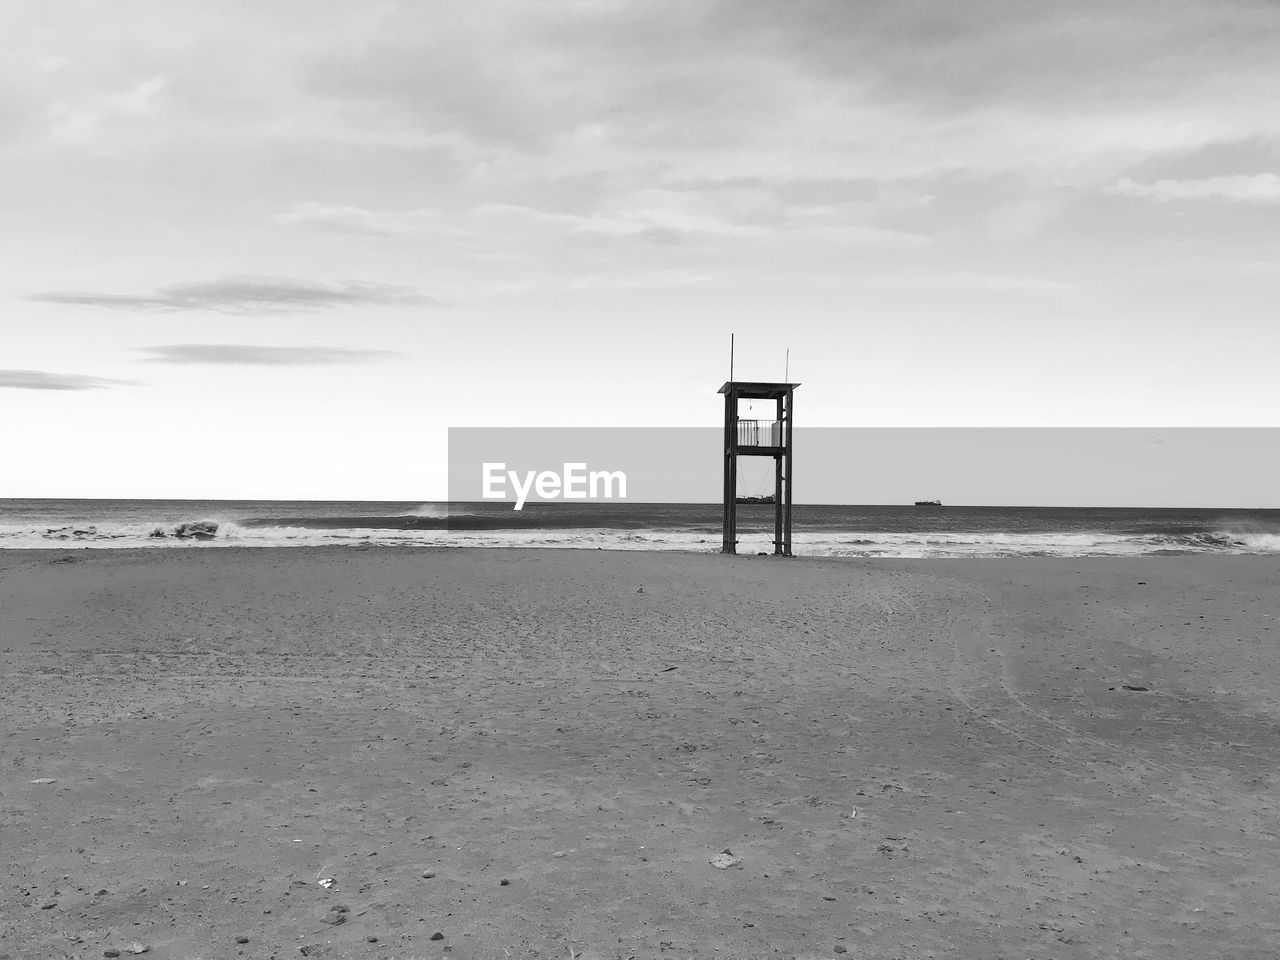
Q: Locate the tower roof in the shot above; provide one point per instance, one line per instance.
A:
(758, 390)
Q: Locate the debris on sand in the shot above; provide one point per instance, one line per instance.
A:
(428, 874)
(45, 780)
(724, 860)
(137, 948)
(334, 918)
(1134, 687)
(328, 883)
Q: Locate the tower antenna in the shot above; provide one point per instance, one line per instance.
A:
(786, 374)
(731, 358)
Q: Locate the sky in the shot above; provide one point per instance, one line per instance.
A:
(276, 250)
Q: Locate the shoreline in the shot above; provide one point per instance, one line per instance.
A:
(437, 549)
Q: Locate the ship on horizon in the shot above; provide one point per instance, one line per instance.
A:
(928, 503)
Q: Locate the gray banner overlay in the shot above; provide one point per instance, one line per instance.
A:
(1015, 466)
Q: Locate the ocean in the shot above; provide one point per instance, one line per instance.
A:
(819, 530)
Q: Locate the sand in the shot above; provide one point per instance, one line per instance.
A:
(911, 759)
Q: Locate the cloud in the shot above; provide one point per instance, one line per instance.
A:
(350, 219)
(44, 380)
(828, 86)
(645, 138)
(656, 215)
(83, 124)
(1226, 158)
(241, 354)
(972, 281)
(1256, 188)
(246, 295)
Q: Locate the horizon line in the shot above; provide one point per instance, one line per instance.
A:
(643, 503)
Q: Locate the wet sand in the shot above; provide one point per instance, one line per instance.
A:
(226, 727)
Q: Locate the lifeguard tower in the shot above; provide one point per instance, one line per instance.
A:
(758, 438)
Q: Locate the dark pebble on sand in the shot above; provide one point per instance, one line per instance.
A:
(437, 935)
(48, 906)
(371, 939)
(428, 875)
(242, 939)
(840, 948)
(111, 953)
(504, 882)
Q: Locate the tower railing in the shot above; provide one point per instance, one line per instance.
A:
(760, 433)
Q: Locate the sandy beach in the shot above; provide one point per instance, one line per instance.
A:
(537, 753)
